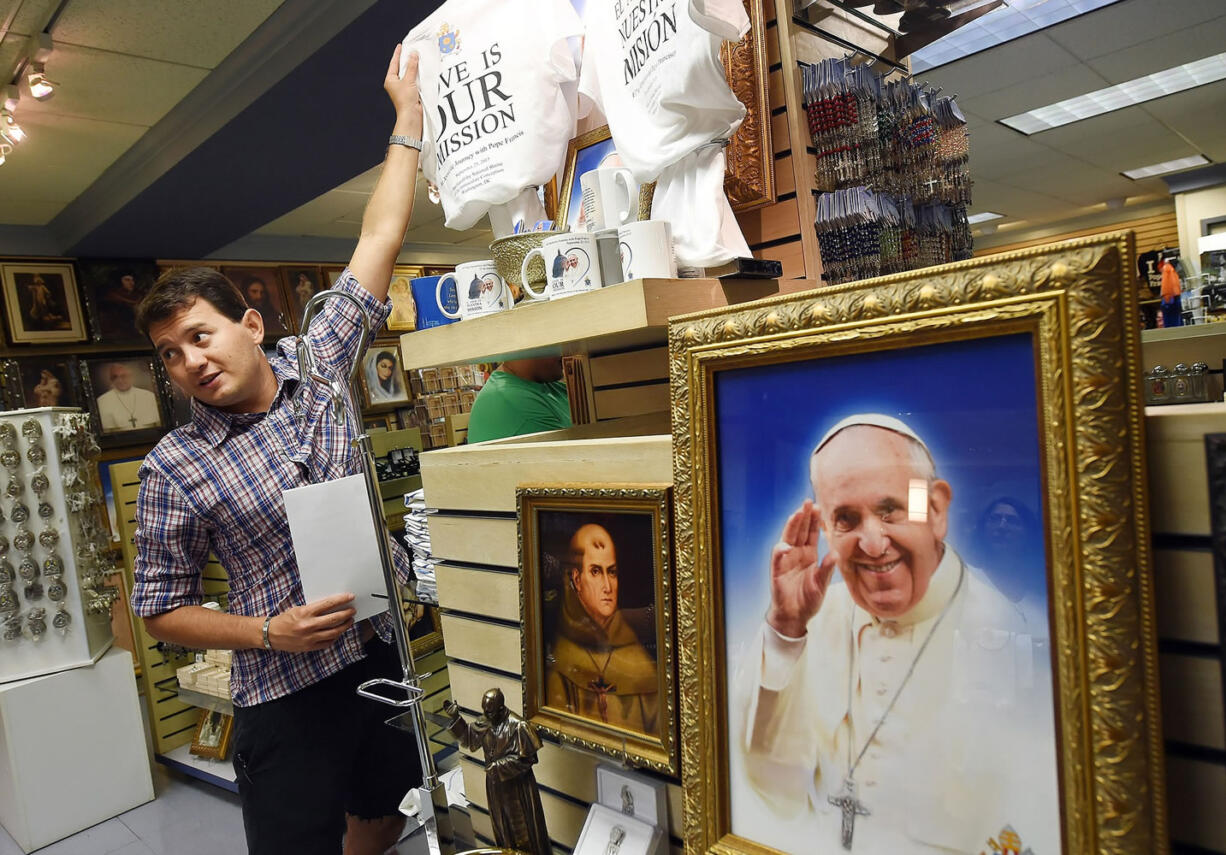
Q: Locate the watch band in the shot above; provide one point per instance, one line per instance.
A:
(267, 640)
(407, 142)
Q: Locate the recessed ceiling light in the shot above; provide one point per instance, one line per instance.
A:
(1164, 168)
(1126, 94)
(983, 217)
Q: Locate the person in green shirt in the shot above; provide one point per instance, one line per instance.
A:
(521, 396)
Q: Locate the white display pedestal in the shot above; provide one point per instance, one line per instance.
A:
(72, 751)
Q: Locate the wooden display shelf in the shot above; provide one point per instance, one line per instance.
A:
(631, 314)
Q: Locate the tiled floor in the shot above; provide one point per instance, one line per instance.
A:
(188, 817)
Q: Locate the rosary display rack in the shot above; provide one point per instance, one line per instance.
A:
(406, 693)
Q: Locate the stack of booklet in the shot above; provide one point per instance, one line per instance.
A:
(417, 539)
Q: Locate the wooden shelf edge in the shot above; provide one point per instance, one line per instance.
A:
(630, 314)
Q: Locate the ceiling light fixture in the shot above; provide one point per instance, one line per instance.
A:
(983, 217)
(1164, 168)
(38, 50)
(1126, 94)
(9, 129)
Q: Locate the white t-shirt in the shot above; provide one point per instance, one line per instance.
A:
(496, 117)
(653, 68)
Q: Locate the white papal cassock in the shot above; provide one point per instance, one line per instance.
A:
(968, 748)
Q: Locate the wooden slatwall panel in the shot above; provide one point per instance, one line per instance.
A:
(629, 383)
(1190, 640)
(1156, 232)
(171, 721)
(775, 231)
(474, 533)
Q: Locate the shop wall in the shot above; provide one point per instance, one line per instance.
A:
(1157, 231)
(1190, 209)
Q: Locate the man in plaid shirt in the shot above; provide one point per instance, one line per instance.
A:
(315, 763)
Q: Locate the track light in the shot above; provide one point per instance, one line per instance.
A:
(9, 129)
(38, 51)
(41, 86)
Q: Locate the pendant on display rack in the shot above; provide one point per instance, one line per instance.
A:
(15, 488)
(28, 569)
(53, 566)
(49, 538)
(36, 455)
(8, 435)
(7, 573)
(12, 627)
(31, 430)
(8, 600)
(56, 589)
(10, 459)
(33, 591)
(62, 619)
(37, 621)
(24, 540)
(45, 510)
(40, 483)
(20, 513)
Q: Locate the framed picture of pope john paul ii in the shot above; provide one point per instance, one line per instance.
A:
(914, 606)
(596, 602)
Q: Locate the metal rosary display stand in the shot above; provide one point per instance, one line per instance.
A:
(406, 693)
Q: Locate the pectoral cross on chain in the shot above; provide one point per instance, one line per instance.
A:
(132, 421)
(602, 689)
(850, 805)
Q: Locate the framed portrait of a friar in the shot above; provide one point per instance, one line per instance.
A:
(596, 602)
(915, 611)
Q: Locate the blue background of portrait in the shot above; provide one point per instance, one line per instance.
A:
(973, 402)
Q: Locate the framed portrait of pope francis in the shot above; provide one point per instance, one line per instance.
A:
(912, 579)
(125, 399)
(596, 601)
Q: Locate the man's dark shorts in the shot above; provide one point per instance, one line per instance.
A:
(305, 760)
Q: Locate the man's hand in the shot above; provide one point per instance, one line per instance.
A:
(451, 708)
(405, 95)
(315, 626)
(798, 582)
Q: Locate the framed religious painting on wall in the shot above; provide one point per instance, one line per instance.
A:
(41, 304)
(596, 600)
(301, 284)
(261, 288)
(112, 291)
(915, 610)
(404, 311)
(383, 380)
(332, 274)
(50, 381)
(124, 394)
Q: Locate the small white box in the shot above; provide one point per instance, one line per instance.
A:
(72, 751)
(628, 812)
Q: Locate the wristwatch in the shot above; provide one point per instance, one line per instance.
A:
(407, 142)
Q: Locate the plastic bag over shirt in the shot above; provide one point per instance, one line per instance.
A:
(653, 68)
(497, 118)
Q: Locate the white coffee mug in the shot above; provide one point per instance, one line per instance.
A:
(481, 291)
(647, 250)
(572, 266)
(610, 198)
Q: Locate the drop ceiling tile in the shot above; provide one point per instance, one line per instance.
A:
(11, 50)
(1013, 202)
(1130, 136)
(1022, 59)
(30, 212)
(997, 150)
(1205, 39)
(60, 159)
(32, 15)
(1197, 115)
(1036, 92)
(198, 34)
(1131, 22)
(111, 87)
(331, 206)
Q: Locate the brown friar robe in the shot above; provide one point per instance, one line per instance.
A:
(604, 674)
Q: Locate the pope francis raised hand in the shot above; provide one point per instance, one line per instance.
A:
(893, 706)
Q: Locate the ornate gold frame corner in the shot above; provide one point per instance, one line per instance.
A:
(660, 753)
(1075, 299)
(749, 181)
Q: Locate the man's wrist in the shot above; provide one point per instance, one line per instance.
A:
(790, 631)
(408, 127)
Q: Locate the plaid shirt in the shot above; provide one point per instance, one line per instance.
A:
(214, 485)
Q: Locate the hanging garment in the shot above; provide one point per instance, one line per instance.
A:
(653, 68)
(494, 76)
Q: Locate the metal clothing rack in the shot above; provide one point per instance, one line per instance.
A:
(405, 693)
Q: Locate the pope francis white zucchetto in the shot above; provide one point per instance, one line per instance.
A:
(926, 730)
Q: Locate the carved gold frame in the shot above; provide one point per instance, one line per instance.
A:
(749, 181)
(1074, 300)
(658, 752)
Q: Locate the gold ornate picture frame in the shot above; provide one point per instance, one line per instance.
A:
(749, 181)
(597, 607)
(757, 393)
(583, 154)
(213, 734)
